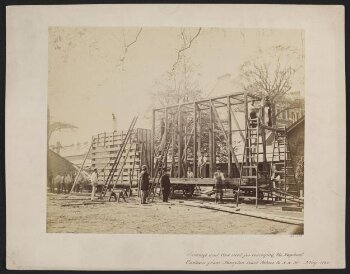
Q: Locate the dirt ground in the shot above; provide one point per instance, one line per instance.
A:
(157, 218)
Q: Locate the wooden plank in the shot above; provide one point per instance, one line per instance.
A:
(195, 114)
(84, 203)
(166, 136)
(82, 166)
(211, 160)
(229, 122)
(180, 143)
(237, 125)
(152, 141)
(292, 208)
(200, 136)
(229, 145)
(173, 149)
(238, 211)
(232, 182)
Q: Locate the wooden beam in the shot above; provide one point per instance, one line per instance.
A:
(173, 140)
(260, 215)
(199, 135)
(195, 114)
(229, 145)
(232, 95)
(166, 136)
(237, 124)
(229, 154)
(180, 144)
(213, 146)
(220, 104)
(152, 141)
(211, 121)
(82, 166)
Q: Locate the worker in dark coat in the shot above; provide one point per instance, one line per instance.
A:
(219, 181)
(165, 185)
(267, 112)
(144, 184)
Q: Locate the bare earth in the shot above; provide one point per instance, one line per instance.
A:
(161, 218)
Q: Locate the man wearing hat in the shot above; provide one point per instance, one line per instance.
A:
(144, 184)
(93, 180)
(165, 185)
(267, 112)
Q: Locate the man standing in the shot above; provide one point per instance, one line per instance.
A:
(144, 184)
(165, 185)
(202, 162)
(267, 112)
(189, 173)
(219, 180)
(93, 180)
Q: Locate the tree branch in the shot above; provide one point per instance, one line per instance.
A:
(126, 47)
(185, 47)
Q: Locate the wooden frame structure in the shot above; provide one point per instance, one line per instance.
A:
(187, 118)
(105, 147)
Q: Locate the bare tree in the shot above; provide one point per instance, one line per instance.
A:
(187, 40)
(272, 73)
(56, 126)
(179, 85)
(128, 45)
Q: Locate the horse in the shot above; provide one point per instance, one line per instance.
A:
(58, 182)
(67, 183)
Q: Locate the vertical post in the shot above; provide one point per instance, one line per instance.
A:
(211, 141)
(214, 144)
(263, 140)
(180, 144)
(152, 140)
(200, 135)
(82, 166)
(166, 136)
(229, 154)
(173, 148)
(246, 130)
(185, 149)
(195, 140)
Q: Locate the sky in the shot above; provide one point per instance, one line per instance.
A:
(88, 81)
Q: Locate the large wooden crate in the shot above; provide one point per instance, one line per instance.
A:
(106, 147)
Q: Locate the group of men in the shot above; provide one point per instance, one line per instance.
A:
(166, 185)
(144, 186)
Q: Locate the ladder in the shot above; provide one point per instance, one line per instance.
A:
(162, 158)
(121, 170)
(248, 183)
(119, 155)
(282, 160)
(158, 170)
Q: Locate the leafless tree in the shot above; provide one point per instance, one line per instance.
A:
(187, 41)
(56, 126)
(272, 73)
(179, 84)
(126, 46)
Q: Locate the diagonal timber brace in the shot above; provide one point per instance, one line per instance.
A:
(229, 145)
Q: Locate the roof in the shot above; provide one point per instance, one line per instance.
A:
(296, 124)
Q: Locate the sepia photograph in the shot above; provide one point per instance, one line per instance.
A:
(175, 137)
(175, 130)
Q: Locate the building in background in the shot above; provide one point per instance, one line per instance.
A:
(291, 110)
(75, 153)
